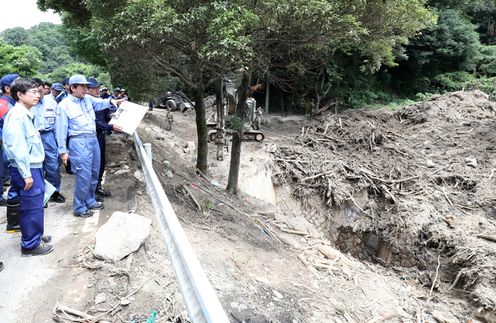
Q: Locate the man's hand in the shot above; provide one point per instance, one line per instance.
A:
(64, 157)
(117, 102)
(28, 183)
(117, 128)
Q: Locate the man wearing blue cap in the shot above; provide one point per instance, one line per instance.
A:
(44, 121)
(77, 121)
(24, 150)
(65, 91)
(6, 104)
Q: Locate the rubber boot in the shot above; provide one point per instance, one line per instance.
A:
(13, 216)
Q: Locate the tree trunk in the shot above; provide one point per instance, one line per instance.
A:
(243, 92)
(201, 131)
(267, 95)
(319, 86)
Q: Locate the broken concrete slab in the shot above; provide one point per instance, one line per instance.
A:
(121, 235)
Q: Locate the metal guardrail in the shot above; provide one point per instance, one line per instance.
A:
(201, 301)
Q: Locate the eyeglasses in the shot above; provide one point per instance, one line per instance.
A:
(34, 91)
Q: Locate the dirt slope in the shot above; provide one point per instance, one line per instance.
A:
(278, 262)
(414, 188)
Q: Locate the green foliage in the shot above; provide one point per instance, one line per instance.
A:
(25, 60)
(48, 39)
(486, 61)
(449, 46)
(79, 68)
(460, 80)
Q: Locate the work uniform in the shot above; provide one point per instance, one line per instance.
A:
(44, 121)
(24, 150)
(6, 104)
(102, 118)
(77, 122)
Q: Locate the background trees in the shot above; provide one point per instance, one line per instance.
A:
(44, 51)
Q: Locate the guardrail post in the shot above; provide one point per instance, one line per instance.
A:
(148, 149)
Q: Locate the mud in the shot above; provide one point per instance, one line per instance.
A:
(410, 189)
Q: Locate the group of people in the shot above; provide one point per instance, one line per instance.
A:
(43, 126)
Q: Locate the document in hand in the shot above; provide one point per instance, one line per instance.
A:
(49, 190)
(128, 116)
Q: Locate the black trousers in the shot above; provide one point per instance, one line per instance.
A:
(100, 135)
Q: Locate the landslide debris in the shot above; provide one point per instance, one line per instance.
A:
(412, 189)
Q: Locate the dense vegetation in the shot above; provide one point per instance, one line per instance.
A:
(313, 52)
(45, 52)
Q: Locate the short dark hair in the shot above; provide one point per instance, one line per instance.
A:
(21, 85)
(47, 84)
(37, 80)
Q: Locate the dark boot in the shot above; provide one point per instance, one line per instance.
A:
(68, 168)
(101, 192)
(13, 216)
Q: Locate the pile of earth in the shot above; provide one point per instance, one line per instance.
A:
(412, 189)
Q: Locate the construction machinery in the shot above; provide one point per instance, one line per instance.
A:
(226, 103)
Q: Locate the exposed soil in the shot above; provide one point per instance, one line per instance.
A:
(365, 216)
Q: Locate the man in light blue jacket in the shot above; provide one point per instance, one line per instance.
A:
(44, 121)
(24, 150)
(77, 122)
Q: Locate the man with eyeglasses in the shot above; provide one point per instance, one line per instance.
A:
(44, 121)
(77, 121)
(24, 150)
(6, 104)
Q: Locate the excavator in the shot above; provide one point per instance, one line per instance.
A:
(226, 100)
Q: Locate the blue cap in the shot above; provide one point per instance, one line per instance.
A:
(58, 87)
(78, 79)
(7, 79)
(65, 81)
(117, 89)
(93, 83)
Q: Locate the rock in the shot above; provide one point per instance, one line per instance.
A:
(429, 163)
(277, 294)
(125, 302)
(190, 147)
(169, 174)
(139, 176)
(289, 240)
(329, 252)
(471, 161)
(122, 234)
(121, 171)
(167, 164)
(112, 164)
(100, 298)
(443, 317)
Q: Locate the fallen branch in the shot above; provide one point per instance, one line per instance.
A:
(65, 313)
(435, 276)
(488, 238)
(198, 206)
(318, 175)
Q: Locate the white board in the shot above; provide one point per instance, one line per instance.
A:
(128, 116)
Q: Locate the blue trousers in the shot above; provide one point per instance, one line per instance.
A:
(51, 166)
(31, 216)
(84, 153)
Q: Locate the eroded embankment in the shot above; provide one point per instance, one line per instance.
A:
(412, 188)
